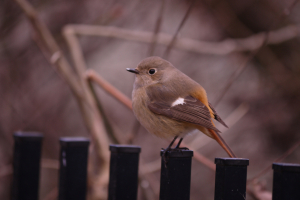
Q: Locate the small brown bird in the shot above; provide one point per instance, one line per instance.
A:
(170, 104)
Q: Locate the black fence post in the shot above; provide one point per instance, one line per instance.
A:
(73, 168)
(26, 165)
(175, 178)
(123, 175)
(286, 181)
(231, 178)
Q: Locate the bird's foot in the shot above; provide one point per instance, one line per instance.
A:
(181, 148)
(165, 155)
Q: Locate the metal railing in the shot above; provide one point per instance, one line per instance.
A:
(230, 179)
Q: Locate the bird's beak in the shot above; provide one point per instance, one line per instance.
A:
(133, 70)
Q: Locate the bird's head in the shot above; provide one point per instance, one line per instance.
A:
(151, 70)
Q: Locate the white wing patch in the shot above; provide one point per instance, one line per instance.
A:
(178, 102)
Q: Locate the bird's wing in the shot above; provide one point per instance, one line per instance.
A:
(184, 109)
(217, 117)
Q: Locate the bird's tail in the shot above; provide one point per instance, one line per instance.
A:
(223, 144)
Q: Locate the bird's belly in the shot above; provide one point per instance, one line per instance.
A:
(166, 128)
(162, 126)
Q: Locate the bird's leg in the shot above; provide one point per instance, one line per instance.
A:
(170, 145)
(167, 149)
(178, 144)
(178, 148)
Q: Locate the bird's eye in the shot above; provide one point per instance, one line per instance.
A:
(152, 71)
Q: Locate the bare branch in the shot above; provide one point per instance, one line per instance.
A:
(85, 99)
(57, 59)
(80, 66)
(108, 126)
(234, 76)
(93, 116)
(279, 159)
(219, 48)
(47, 39)
(205, 161)
(92, 75)
(278, 36)
(258, 191)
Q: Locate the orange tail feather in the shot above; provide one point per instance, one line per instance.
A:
(223, 144)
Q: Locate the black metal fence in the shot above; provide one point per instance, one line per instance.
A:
(230, 180)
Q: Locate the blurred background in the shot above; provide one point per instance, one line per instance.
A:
(254, 86)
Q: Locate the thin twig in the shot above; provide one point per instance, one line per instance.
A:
(200, 158)
(92, 75)
(167, 52)
(60, 64)
(48, 40)
(97, 127)
(285, 12)
(268, 36)
(234, 76)
(204, 47)
(205, 161)
(98, 130)
(258, 191)
(108, 126)
(106, 86)
(85, 100)
(279, 159)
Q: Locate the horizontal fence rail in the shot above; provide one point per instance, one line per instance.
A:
(175, 180)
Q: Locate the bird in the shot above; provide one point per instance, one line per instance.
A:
(169, 104)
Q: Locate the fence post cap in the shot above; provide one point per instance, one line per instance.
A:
(19, 135)
(232, 161)
(74, 141)
(288, 167)
(179, 154)
(118, 148)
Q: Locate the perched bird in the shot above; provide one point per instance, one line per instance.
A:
(169, 104)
